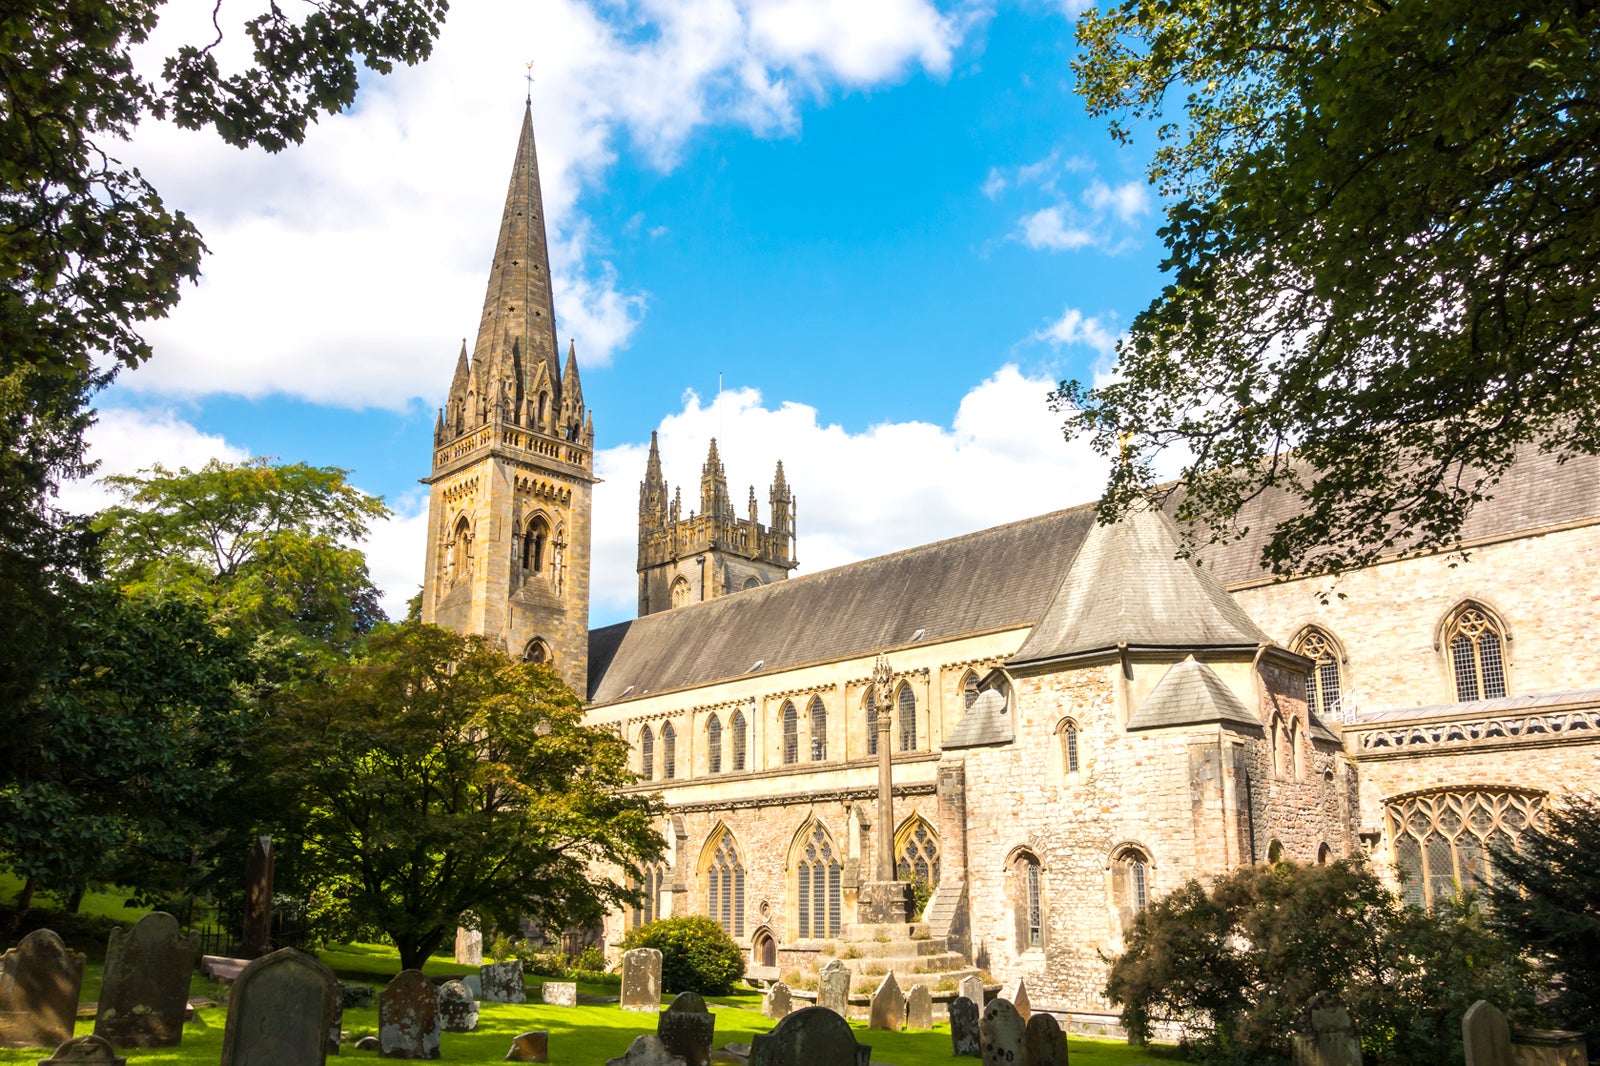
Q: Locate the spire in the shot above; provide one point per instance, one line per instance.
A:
(782, 502)
(518, 306)
(453, 419)
(714, 485)
(571, 396)
(652, 490)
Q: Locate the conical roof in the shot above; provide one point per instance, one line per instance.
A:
(1190, 693)
(1128, 586)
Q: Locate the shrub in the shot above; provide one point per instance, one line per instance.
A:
(696, 955)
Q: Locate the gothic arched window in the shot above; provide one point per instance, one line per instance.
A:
(916, 852)
(818, 892)
(537, 651)
(791, 734)
(534, 543)
(714, 745)
(669, 752)
(1442, 839)
(725, 886)
(1069, 746)
(1324, 688)
(650, 883)
(906, 715)
(680, 592)
(737, 728)
(1477, 653)
(460, 552)
(871, 705)
(647, 753)
(1026, 886)
(969, 691)
(819, 730)
(1130, 884)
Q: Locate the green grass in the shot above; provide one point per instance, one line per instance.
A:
(110, 904)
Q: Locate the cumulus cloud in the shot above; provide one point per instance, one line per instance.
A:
(365, 249)
(1095, 215)
(1049, 229)
(1127, 201)
(1075, 327)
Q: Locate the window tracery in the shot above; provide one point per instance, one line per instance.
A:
(1324, 686)
(1477, 654)
(916, 849)
(1442, 839)
(725, 886)
(818, 891)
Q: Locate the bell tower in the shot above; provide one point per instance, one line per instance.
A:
(513, 461)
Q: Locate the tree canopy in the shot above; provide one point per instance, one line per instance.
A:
(436, 776)
(1383, 248)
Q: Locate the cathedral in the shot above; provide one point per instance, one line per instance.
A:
(1070, 719)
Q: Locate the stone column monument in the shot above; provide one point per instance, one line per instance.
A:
(884, 900)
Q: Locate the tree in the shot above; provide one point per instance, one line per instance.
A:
(437, 776)
(1546, 898)
(88, 249)
(1236, 962)
(1384, 258)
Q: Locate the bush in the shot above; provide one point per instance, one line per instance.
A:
(696, 955)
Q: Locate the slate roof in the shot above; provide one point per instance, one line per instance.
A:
(1525, 704)
(1191, 693)
(1127, 587)
(987, 721)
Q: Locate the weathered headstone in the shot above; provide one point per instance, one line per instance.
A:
(833, 987)
(964, 1028)
(560, 993)
(280, 1011)
(646, 1050)
(145, 992)
(1549, 1047)
(1000, 1033)
(336, 1025)
(888, 1008)
(86, 1051)
(1043, 1042)
(474, 983)
(731, 1055)
(641, 979)
(408, 1018)
(355, 994)
(258, 899)
(458, 1011)
(776, 1004)
(1016, 993)
(919, 1008)
(39, 983)
(687, 1028)
(1328, 1037)
(503, 983)
(809, 1037)
(530, 1047)
(971, 987)
(469, 946)
(369, 1043)
(1485, 1037)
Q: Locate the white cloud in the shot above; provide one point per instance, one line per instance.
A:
(365, 249)
(1098, 216)
(1127, 201)
(1049, 229)
(128, 440)
(1075, 327)
(395, 550)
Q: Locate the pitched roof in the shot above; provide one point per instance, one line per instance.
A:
(1191, 693)
(1126, 586)
(996, 579)
(987, 721)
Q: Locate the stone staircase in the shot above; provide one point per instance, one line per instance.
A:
(912, 951)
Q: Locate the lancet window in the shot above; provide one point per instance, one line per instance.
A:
(737, 727)
(791, 734)
(906, 715)
(669, 752)
(725, 887)
(1477, 653)
(819, 730)
(714, 745)
(647, 753)
(818, 891)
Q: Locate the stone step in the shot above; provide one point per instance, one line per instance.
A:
(942, 963)
(871, 931)
(891, 949)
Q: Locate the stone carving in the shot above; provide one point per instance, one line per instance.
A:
(833, 988)
(280, 1011)
(776, 1004)
(145, 993)
(964, 1028)
(888, 1010)
(1504, 729)
(1043, 1042)
(810, 1037)
(1328, 1037)
(1485, 1037)
(641, 979)
(469, 946)
(919, 1008)
(458, 1011)
(530, 1047)
(1016, 992)
(39, 983)
(408, 1018)
(646, 1050)
(560, 993)
(971, 987)
(686, 1029)
(90, 1050)
(1000, 1033)
(502, 982)
(258, 899)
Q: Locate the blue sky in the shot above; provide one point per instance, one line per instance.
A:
(887, 229)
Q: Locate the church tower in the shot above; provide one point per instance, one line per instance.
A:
(513, 461)
(714, 552)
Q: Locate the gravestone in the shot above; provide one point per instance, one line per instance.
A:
(145, 992)
(964, 1028)
(646, 1050)
(469, 946)
(888, 1008)
(1043, 1042)
(1485, 1037)
(355, 994)
(368, 1043)
(731, 1055)
(530, 1047)
(258, 899)
(560, 993)
(919, 1008)
(458, 1011)
(1548, 1047)
(336, 1025)
(971, 987)
(641, 979)
(776, 1004)
(39, 983)
(279, 1012)
(86, 1051)
(1327, 1036)
(408, 1018)
(810, 1036)
(686, 1029)
(1016, 992)
(1000, 1033)
(833, 988)
(502, 982)
(474, 983)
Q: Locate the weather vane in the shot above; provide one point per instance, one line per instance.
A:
(528, 66)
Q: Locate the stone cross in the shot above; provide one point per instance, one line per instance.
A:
(502, 982)
(1043, 1042)
(1000, 1031)
(919, 1008)
(408, 1018)
(1329, 1037)
(833, 988)
(641, 979)
(776, 1004)
(888, 1010)
(458, 1011)
(1485, 1037)
(811, 1036)
(145, 993)
(687, 1029)
(279, 1012)
(258, 899)
(883, 699)
(39, 983)
(964, 1036)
